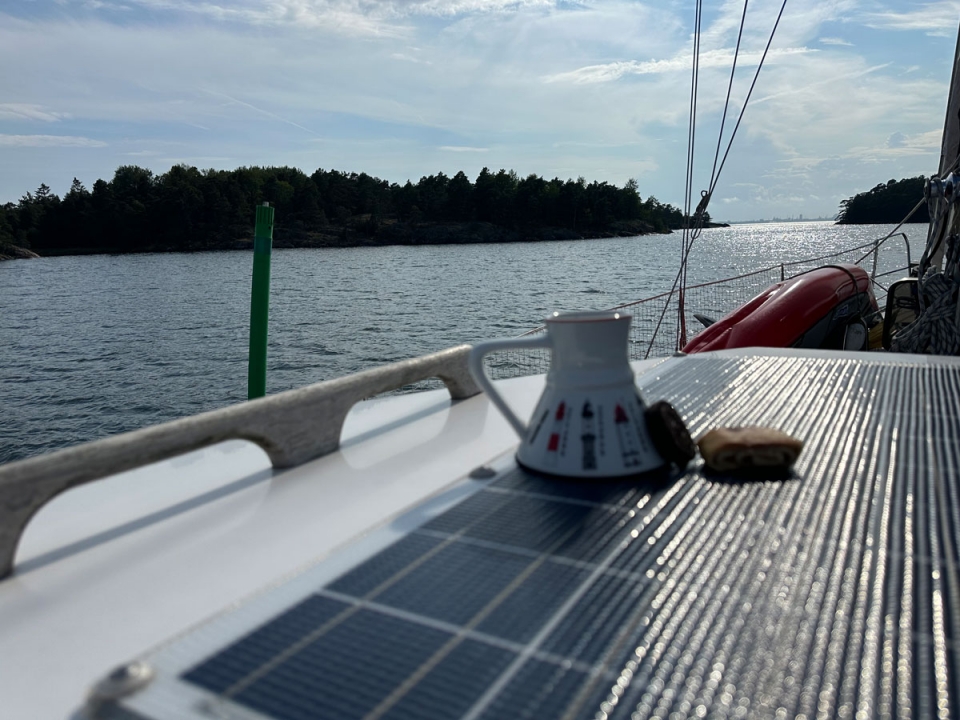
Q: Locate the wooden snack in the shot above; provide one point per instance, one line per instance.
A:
(729, 449)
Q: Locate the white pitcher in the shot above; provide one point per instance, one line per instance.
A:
(589, 422)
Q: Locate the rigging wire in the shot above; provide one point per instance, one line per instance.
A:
(726, 103)
(690, 235)
(681, 338)
(714, 179)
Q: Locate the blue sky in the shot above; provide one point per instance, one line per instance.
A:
(852, 94)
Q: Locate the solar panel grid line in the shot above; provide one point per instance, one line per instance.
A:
(932, 615)
(905, 607)
(432, 622)
(741, 569)
(948, 428)
(843, 545)
(558, 559)
(702, 631)
(863, 694)
(826, 514)
(671, 605)
(243, 683)
(617, 649)
(924, 700)
(260, 672)
(811, 446)
(421, 672)
(628, 625)
(939, 574)
(483, 703)
(827, 556)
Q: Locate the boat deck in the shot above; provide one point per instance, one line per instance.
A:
(394, 585)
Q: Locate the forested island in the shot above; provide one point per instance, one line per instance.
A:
(187, 209)
(886, 203)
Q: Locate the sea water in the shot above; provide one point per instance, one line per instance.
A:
(100, 344)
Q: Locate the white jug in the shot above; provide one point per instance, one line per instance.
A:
(589, 422)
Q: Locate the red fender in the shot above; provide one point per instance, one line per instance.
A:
(781, 314)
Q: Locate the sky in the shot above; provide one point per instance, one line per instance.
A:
(852, 93)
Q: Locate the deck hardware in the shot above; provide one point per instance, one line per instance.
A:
(121, 682)
(292, 427)
(482, 472)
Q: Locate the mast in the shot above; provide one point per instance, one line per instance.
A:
(949, 152)
(950, 147)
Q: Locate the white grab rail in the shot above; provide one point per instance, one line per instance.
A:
(292, 427)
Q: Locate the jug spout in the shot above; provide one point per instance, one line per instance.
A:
(589, 348)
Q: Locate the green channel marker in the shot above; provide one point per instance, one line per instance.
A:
(260, 302)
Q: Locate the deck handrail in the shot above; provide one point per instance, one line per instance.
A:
(292, 427)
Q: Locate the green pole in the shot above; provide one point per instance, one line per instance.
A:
(260, 302)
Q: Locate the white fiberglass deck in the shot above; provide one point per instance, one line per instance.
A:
(812, 570)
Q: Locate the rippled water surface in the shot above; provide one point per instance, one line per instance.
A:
(95, 345)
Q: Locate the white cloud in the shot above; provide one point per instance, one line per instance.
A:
(936, 18)
(389, 18)
(47, 141)
(835, 41)
(29, 111)
(408, 58)
(463, 149)
(899, 144)
(829, 80)
(680, 63)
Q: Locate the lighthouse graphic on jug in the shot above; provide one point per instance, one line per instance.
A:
(628, 436)
(588, 437)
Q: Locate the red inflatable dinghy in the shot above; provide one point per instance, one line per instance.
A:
(811, 310)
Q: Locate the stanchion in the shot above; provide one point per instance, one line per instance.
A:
(260, 302)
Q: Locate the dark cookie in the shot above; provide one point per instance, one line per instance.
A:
(670, 436)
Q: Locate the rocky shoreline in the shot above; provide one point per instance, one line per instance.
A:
(384, 233)
(12, 252)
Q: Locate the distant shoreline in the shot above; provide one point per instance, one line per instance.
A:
(395, 234)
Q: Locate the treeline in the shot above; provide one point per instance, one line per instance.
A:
(886, 203)
(190, 209)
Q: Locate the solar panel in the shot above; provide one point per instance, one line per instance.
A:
(832, 592)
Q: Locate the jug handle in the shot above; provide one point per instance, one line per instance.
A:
(475, 362)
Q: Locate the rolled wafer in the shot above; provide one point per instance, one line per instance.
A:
(669, 434)
(730, 449)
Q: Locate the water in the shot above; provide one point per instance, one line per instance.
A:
(95, 345)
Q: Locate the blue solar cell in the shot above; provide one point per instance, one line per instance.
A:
(576, 531)
(383, 566)
(456, 583)
(521, 615)
(346, 672)
(237, 661)
(606, 621)
(451, 688)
